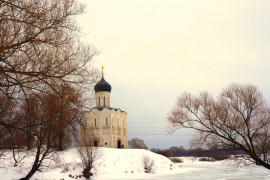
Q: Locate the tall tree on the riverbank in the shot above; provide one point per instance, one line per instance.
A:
(68, 106)
(39, 52)
(40, 47)
(43, 128)
(238, 118)
(48, 116)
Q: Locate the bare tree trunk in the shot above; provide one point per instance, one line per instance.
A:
(35, 165)
(86, 173)
(62, 127)
(60, 140)
(262, 163)
(29, 138)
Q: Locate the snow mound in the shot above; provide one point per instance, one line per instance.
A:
(132, 161)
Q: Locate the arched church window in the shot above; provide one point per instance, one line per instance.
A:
(98, 101)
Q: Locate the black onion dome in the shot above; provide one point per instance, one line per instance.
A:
(102, 85)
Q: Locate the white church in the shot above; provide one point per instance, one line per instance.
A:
(108, 125)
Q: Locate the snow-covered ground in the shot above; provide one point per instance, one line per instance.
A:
(128, 164)
(192, 169)
(114, 163)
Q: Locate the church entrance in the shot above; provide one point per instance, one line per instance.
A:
(119, 143)
(95, 143)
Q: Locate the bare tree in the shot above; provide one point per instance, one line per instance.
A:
(238, 118)
(68, 105)
(39, 52)
(43, 129)
(88, 152)
(10, 136)
(39, 45)
(16, 146)
(136, 143)
(3, 142)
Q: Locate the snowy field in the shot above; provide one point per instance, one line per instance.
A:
(196, 170)
(119, 164)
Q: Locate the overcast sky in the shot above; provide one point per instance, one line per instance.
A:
(154, 50)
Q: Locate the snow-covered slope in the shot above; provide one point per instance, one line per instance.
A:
(114, 163)
(131, 161)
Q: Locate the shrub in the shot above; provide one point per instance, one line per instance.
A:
(137, 143)
(176, 160)
(148, 164)
(220, 157)
(65, 168)
(206, 159)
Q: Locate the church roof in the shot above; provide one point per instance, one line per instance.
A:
(102, 85)
(101, 108)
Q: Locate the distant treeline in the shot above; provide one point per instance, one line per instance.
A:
(181, 151)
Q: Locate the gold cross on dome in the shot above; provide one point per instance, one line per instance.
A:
(102, 70)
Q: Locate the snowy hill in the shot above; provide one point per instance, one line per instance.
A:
(113, 163)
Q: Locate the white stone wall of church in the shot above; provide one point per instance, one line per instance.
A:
(104, 128)
(115, 129)
(100, 98)
(119, 125)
